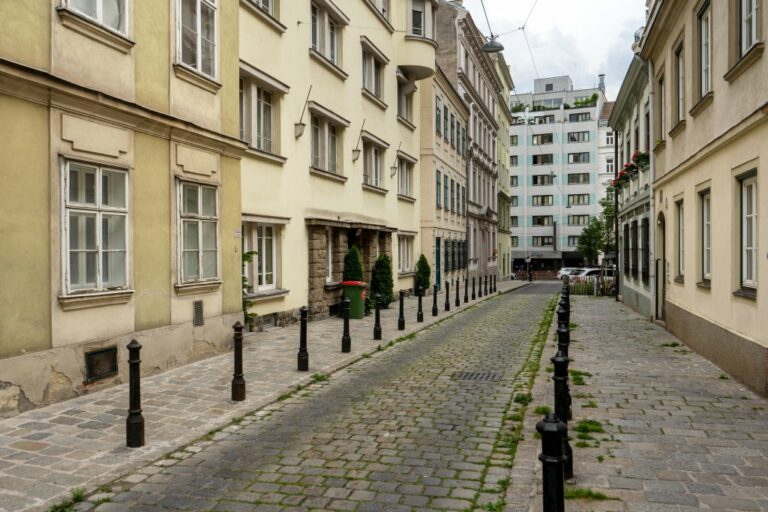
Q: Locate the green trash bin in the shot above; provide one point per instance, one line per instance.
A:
(355, 292)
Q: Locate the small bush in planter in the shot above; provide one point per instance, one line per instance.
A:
(382, 286)
(353, 268)
(423, 273)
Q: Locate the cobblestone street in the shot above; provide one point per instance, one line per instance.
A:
(400, 431)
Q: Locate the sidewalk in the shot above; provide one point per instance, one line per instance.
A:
(679, 434)
(81, 442)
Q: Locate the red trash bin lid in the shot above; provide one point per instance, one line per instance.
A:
(353, 283)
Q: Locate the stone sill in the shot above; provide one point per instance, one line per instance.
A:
(703, 103)
(266, 295)
(660, 146)
(327, 64)
(679, 279)
(266, 155)
(375, 189)
(374, 99)
(94, 300)
(196, 288)
(407, 199)
(410, 273)
(746, 293)
(194, 77)
(267, 18)
(706, 284)
(744, 63)
(332, 176)
(333, 286)
(680, 126)
(93, 30)
(405, 122)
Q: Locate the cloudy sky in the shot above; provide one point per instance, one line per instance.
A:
(578, 38)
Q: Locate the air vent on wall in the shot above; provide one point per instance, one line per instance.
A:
(197, 313)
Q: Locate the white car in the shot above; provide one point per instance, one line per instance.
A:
(581, 273)
(566, 271)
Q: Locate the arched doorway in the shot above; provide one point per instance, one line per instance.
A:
(661, 267)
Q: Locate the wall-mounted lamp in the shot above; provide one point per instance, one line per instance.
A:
(395, 167)
(298, 128)
(356, 151)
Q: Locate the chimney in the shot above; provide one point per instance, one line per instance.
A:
(602, 82)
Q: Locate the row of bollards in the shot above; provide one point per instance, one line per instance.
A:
(135, 420)
(556, 453)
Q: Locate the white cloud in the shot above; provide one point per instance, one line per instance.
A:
(577, 38)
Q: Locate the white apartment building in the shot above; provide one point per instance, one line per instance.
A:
(555, 173)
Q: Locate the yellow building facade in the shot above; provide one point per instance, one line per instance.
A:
(121, 194)
(504, 201)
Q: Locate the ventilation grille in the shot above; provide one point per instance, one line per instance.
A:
(197, 313)
(100, 364)
(477, 376)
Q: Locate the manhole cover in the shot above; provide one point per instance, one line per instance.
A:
(477, 376)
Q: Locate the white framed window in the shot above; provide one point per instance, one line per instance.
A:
(95, 220)
(661, 108)
(373, 68)
(382, 6)
(404, 177)
(112, 14)
(578, 199)
(680, 239)
(680, 85)
(197, 35)
(749, 237)
(578, 137)
(266, 256)
(372, 164)
(515, 241)
(326, 33)
(609, 165)
(198, 229)
(325, 144)
(541, 200)
(705, 50)
(609, 138)
(573, 241)
(405, 92)
(404, 253)
(328, 255)
(578, 158)
(578, 220)
(749, 22)
(267, 6)
(513, 140)
(541, 139)
(541, 241)
(581, 178)
(417, 18)
(706, 235)
(258, 109)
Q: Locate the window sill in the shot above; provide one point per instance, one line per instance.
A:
(383, 19)
(196, 78)
(91, 29)
(705, 284)
(328, 175)
(703, 103)
(94, 300)
(266, 155)
(374, 99)
(746, 293)
(680, 126)
(405, 122)
(679, 279)
(196, 288)
(744, 63)
(327, 64)
(332, 286)
(375, 189)
(267, 18)
(260, 296)
(407, 199)
(408, 273)
(660, 146)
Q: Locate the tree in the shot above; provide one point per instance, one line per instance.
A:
(423, 273)
(382, 286)
(591, 240)
(608, 218)
(353, 268)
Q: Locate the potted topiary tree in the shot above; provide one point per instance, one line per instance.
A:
(423, 273)
(382, 286)
(354, 287)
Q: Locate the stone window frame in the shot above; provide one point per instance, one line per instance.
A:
(200, 218)
(680, 239)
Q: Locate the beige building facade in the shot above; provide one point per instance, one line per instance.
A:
(710, 127)
(121, 194)
(443, 180)
(504, 201)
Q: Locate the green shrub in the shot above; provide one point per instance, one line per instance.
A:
(382, 286)
(353, 268)
(423, 273)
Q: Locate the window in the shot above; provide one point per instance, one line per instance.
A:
(680, 84)
(257, 118)
(660, 108)
(542, 220)
(446, 202)
(417, 17)
(633, 249)
(749, 219)
(265, 5)
(445, 122)
(541, 200)
(705, 51)
(680, 239)
(578, 179)
(381, 6)
(646, 248)
(513, 201)
(540, 241)
(372, 158)
(549, 87)
(515, 241)
(513, 160)
(262, 239)
(453, 203)
(749, 23)
(543, 138)
(578, 137)
(580, 117)
(325, 144)
(328, 255)
(198, 212)
(95, 221)
(513, 221)
(326, 33)
(542, 179)
(578, 199)
(453, 130)
(438, 182)
(706, 236)
(404, 253)
(573, 241)
(197, 38)
(404, 177)
(609, 138)
(626, 249)
(544, 120)
(373, 69)
(513, 140)
(578, 158)
(110, 13)
(609, 166)
(513, 180)
(405, 92)
(463, 141)
(438, 109)
(578, 220)
(542, 159)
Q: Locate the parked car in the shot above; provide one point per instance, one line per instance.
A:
(566, 271)
(582, 273)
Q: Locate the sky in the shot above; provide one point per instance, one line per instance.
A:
(567, 37)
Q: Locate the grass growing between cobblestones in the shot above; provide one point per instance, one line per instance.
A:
(76, 496)
(582, 493)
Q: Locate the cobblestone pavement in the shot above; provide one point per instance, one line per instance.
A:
(679, 434)
(399, 431)
(81, 442)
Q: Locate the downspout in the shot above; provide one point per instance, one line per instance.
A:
(651, 191)
(617, 273)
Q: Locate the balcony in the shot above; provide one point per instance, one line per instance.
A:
(417, 57)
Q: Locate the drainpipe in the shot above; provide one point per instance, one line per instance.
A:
(617, 272)
(651, 192)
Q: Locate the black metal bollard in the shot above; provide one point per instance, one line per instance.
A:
(486, 285)
(434, 300)
(377, 319)
(563, 304)
(238, 381)
(466, 290)
(401, 318)
(303, 357)
(551, 457)
(494, 284)
(479, 286)
(447, 295)
(458, 300)
(420, 312)
(346, 339)
(563, 331)
(134, 423)
(562, 406)
(473, 288)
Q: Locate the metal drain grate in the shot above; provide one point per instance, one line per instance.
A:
(477, 376)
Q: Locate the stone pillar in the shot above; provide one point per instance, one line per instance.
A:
(316, 241)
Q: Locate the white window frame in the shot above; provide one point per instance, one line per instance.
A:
(749, 23)
(680, 238)
(326, 33)
(422, 32)
(260, 240)
(99, 18)
(706, 235)
(98, 210)
(200, 219)
(577, 137)
(268, 6)
(324, 144)
(609, 165)
(197, 67)
(573, 240)
(404, 177)
(578, 199)
(373, 71)
(573, 157)
(749, 229)
(373, 162)
(405, 253)
(609, 138)
(705, 50)
(680, 82)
